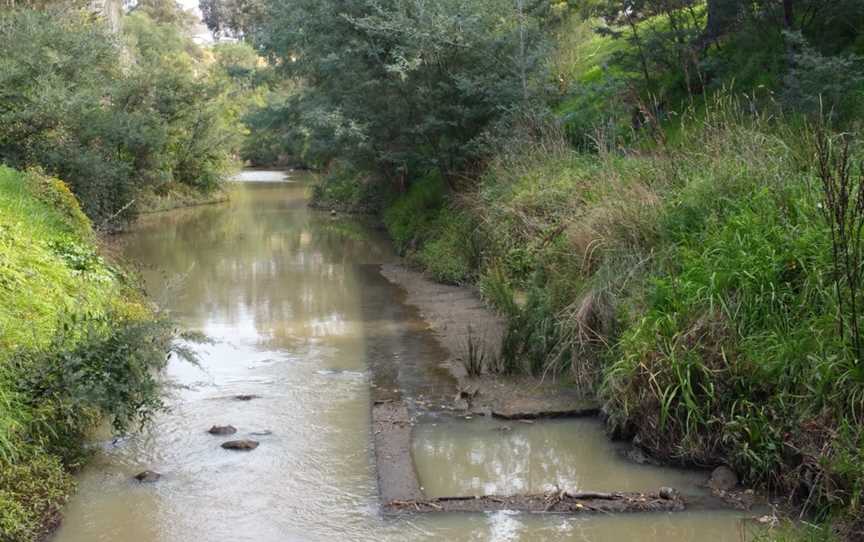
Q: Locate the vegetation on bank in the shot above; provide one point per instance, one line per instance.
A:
(132, 117)
(118, 114)
(663, 197)
(79, 347)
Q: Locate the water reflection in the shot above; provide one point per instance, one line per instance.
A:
(297, 309)
(490, 457)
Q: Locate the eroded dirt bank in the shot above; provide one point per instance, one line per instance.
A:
(456, 316)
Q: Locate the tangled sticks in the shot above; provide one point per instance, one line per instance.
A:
(560, 502)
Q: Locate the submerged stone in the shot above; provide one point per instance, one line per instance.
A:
(723, 479)
(222, 430)
(240, 445)
(148, 477)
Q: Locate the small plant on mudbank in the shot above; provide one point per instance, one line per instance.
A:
(474, 354)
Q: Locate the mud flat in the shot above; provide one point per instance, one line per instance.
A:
(456, 315)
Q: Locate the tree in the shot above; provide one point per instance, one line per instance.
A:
(110, 121)
(402, 85)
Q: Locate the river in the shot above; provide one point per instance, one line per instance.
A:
(294, 305)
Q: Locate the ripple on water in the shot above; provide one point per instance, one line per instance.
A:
(281, 289)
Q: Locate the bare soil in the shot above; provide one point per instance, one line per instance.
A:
(456, 315)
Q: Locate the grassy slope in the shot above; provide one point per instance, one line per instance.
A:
(52, 280)
(690, 284)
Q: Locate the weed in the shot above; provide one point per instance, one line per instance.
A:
(843, 210)
(474, 356)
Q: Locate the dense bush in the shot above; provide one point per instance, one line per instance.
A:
(344, 187)
(108, 118)
(410, 220)
(398, 86)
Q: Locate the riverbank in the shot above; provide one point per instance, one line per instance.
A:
(78, 347)
(179, 196)
(473, 335)
(643, 279)
(465, 327)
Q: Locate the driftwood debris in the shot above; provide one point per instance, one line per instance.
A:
(561, 502)
(512, 415)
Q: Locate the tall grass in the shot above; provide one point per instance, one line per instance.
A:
(692, 287)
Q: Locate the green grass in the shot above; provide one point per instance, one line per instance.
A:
(49, 266)
(77, 346)
(691, 288)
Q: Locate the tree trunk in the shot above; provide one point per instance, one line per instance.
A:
(789, 13)
(721, 15)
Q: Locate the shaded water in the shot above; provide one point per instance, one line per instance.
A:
(296, 307)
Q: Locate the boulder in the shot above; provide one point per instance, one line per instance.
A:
(148, 477)
(723, 479)
(222, 430)
(240, 445)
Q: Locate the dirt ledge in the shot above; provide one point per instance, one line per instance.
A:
(391, 432)
(448, 311)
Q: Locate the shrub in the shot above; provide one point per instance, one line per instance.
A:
(410, 220)
(346, 188)
(96, 369)
(56, 194)
(451, 253)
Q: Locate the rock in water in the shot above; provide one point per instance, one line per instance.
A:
(148, 477)
(222, 430)
(638, 456)
(242, 445)
(723, 479)
(668, 493)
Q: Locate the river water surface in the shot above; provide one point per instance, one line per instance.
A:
(295, 306)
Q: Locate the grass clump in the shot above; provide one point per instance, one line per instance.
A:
(439, 236)
(31, 492)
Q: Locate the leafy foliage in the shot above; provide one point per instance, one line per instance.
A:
(406, 86)
(78, 346)
(69, 105)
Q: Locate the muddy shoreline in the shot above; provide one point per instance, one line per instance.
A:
(456, 316)
(445, 310)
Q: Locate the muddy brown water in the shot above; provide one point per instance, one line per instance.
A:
(294, 303)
